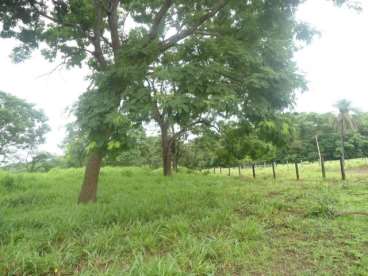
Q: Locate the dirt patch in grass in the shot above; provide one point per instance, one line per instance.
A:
(358, 170)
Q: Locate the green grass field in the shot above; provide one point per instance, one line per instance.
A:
(188, 224)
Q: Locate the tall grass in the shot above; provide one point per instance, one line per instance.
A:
(188, 224)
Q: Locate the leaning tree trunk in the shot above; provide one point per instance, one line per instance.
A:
(88, 192)
(166, 150)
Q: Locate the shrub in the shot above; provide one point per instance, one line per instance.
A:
(8, 182)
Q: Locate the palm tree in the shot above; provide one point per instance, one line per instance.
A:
(344, 121)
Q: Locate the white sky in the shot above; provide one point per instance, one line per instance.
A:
(335, 66)
(336, 63)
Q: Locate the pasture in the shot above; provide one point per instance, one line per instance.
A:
(188, 224)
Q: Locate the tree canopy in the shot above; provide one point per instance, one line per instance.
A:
(22, 127)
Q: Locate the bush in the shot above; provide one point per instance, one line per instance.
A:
(323, 207)
(8, 182)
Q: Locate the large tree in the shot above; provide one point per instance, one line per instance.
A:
(242, 71)
(120, 41)
(22, 127)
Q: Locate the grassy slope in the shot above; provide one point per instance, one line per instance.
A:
(145, 224)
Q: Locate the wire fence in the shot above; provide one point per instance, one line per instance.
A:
(321, 169)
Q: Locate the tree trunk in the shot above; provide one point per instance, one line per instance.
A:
(175, 163)
(175, 155)
(342, 140)
(166, 150)
(88, 192)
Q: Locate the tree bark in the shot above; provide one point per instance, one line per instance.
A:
(175, 155)
(175, 163)
(342, 140)
(166, 150)
(88, 192)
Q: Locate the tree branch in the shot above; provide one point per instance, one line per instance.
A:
(113, 25)
(156, 112)
(106, 40)
(123, 21)
(188, 127)
(171, 41)
(59, 66)
(158, 19)
(49, 17)
(96, 38)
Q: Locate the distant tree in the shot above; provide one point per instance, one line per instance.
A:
(42, 162)
(130, 146)
(307, 126)
(344, 121)
(328, 128)
(75, 146)
(22, 127)
(137, 149)
(235, 143)
(254, 142)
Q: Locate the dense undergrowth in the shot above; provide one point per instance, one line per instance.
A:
(188, 224)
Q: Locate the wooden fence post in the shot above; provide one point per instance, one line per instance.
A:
(323, 167)
(229, 171)
(273, 170)
(220, 170)
(297, 170)
(254, 170)
(342, 167)
(239, 168)
(214, 170)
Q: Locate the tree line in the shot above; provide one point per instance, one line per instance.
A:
(287, 137)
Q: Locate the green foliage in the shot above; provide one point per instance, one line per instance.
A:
(8, 182)
(308, 125)
(75, 146)
(216, 58)
(234, 144)
(131, 148)
(43, 162)
(145, 151)
(222, 75)
(22, 127)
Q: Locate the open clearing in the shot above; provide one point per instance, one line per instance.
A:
(189, 224)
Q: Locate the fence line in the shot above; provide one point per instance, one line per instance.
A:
(273, 166)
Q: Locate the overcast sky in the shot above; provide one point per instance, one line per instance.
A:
(335, 66)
